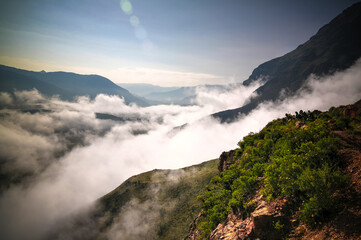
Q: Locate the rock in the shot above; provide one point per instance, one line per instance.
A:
(225, 160)
(299, 124)
(263, 220)
(260, 225)
(234, 228)
(260, 179)
(193, 233)
(351, 111)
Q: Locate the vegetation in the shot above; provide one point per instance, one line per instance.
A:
(294, 158)
(170, 194)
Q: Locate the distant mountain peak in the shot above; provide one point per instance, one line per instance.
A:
(335, 47)
(67, 85)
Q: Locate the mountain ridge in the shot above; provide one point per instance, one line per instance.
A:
(183, 96)
(335, 47)
(67, 85)
(158, 204)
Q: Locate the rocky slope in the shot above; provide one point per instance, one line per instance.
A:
(280, 217)
(335, 47)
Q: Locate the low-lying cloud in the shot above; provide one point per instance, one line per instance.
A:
(69, 158)
(141, 219)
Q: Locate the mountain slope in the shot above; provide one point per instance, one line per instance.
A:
(166, 198)
(173, 96)
(14, 80)
(298, 178)
(183, 95)
(159, 204)
(143, 89)
(335, 47)
(66, 85)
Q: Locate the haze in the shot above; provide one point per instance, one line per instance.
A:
(167, 43)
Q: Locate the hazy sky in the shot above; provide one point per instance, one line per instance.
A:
(164, 42)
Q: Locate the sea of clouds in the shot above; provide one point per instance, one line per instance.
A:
(58, 158)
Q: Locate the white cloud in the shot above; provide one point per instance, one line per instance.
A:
(232, 96)
(5, 98)
(112, 153)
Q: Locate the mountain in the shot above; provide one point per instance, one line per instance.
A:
(335, 47)
(168, 198)
(298, 178)
(159, 204)
(14, 79)
(143, 89)
(182, 96)
(65, 84)
(177, 96)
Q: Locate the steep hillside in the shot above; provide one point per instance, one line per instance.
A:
(66, 85)
(336, 46)
(298, 178)
(168, 198)
(159, 204)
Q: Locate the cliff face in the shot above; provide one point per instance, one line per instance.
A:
(257, 225)
(281, 217)
(225, 160)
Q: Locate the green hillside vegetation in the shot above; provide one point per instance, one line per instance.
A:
(294, 158)
(171, 194)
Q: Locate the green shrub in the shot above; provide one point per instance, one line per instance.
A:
(278, 226)
(300, 164)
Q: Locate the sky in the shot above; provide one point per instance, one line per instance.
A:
(162, 42)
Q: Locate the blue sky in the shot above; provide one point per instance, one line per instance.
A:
(164, 42)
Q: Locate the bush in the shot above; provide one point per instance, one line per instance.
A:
(299, 164)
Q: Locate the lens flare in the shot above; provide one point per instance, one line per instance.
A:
(139, 31)
(126, 7)
(134, 21)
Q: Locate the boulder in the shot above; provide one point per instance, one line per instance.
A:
(259, 225)
(225, 160)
